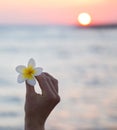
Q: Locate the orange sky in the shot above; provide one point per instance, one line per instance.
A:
(56, 11)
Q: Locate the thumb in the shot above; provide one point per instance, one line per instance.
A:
(29, 89)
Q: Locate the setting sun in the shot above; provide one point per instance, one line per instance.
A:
(84, 19)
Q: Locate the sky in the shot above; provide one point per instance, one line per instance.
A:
(56, 11)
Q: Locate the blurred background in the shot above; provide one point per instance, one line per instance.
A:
(79, 50)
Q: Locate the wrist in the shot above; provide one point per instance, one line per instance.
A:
(33, 125)
(30, 127)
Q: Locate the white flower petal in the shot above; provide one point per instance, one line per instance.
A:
(31, 82)
(20, 79)
(31, 62)
(20, 68)
(38, 71)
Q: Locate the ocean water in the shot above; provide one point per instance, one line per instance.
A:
(84, 60)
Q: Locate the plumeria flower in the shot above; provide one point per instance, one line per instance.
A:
(28, 73)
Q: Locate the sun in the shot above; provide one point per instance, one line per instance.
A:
(84, 19)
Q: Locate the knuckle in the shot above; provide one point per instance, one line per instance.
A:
(54, 99)
(58, 99)
(55, 81)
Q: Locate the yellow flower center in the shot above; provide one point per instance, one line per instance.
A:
(28, 72)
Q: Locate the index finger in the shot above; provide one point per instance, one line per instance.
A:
(44, 85)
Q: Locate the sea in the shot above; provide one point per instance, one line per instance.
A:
(84, 60)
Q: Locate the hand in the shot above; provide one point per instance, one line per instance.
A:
(39, 106)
